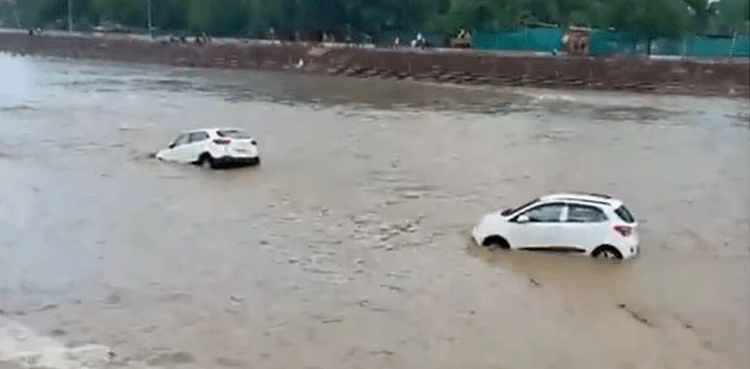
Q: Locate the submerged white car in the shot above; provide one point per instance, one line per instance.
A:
(591, 224)
(212, 147)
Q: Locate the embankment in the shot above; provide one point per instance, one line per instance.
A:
(699, 77)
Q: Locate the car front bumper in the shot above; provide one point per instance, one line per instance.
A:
(630, 248)
(476, 236)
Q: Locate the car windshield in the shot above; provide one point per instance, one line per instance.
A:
(233, 133)
(511, 211)
(624, 214)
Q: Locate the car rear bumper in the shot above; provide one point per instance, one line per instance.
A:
(234, 160)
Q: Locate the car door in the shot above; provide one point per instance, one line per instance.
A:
(538, 227)
(176, 148)
(585, 226)
(195, 147)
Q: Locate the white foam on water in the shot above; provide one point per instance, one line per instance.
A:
(21, 347)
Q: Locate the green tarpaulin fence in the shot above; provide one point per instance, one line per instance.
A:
(606, 42)
(533, 39)
(603, 42)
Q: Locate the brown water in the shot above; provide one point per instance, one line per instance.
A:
(348, 247)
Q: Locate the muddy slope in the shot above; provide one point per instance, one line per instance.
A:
(716, 77)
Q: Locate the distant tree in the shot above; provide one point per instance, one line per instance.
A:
(545, 11)
(212, 16)
(661, 18)
(648, 18)
(477, 15)
(733, 16)
(125, 12)
(701, 12)
(10, 15)
(575, 12)
(35, 13)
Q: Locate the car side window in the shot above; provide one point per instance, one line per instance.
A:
(198, 136)
(585, 214)
(547, 213)
(180, 140)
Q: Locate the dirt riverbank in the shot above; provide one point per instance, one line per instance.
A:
(696, 77)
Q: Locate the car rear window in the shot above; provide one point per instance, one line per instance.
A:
(624, 214)
(585, 214)
(233, 133)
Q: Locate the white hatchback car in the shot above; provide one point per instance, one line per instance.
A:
(213, 147)
(591, 224)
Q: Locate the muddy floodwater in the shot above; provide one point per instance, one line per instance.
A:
(349, 246)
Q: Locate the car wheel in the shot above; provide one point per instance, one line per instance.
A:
(496, 241)
(206, 161)
(607, 252)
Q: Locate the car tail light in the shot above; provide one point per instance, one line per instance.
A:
(623, 230)
(222, 141)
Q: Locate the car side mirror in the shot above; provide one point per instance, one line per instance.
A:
(172, 145)
(522, 219)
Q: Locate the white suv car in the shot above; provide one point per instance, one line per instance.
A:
(212, 147)
(591, 224)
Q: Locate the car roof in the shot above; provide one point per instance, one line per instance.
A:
(214, 129)
(594, 198)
